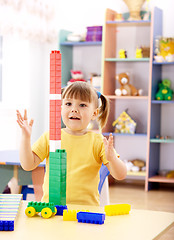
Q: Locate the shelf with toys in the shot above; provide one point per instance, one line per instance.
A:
(161, 134)
(76, 55)
(131, 64)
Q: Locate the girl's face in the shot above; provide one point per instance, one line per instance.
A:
(76, 115)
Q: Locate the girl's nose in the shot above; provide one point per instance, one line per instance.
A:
(74, 110)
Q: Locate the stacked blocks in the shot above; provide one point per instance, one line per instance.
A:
(57, 178)
(117, 209)
(9, 206)
(57, 157)
(55, 100)
(89, 217)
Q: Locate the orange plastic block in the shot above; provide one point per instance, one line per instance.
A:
(117, 209)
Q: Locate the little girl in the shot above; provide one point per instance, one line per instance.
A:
(86, 150)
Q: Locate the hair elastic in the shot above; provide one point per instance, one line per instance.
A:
(99, 94)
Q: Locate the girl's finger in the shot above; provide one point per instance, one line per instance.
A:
(25, 114)
(31, 123)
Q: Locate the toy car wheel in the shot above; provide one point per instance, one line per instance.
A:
(55, 211)
(30, 211)
(46, 213)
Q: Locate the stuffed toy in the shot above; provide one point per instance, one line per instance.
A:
(76, 76)
(164, 91)
(126, 89)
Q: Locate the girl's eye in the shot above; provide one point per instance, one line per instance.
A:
(68, 104)
(83, 105)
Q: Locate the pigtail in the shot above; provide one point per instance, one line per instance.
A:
(103, 111)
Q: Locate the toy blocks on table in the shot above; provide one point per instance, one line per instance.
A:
(60, 209)
(69, 215)
(117, 209)
(6, 225)
(9, 206)
(40, 205)
(89, 217)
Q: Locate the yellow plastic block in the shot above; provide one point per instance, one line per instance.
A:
(117, 209)
(69, 215)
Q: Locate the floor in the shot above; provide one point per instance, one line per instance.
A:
(134, 194)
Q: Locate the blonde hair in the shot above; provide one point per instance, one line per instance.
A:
(86, 92)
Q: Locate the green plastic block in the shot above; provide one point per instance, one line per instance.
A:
(40, 205)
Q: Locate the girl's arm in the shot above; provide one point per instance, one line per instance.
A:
(116, 166)
(28, 159)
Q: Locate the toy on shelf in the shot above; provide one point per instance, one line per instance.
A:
(122, 53)
(164, 91)
(126, 88)
(119, 17)
(76, 76)
(134, 8)
(145, 52)
(47, 209)
(139, 53)
(94, 33)
(117, 209)
(124, 124)
(164, 49)
(135, 165)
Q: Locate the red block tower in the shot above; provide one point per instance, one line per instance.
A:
(55, 101)
(57, 156)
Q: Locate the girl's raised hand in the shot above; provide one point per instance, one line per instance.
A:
(23, 123)
(109, 147)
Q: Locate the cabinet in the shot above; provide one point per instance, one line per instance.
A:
(143, 74)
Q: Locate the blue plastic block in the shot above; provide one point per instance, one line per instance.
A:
(89, 217)
(6, 225)
(60, 209)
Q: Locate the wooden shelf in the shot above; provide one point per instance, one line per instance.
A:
(138, 174)
(127, 23)
(127, 59)
(85, 43)
(161, 179)
(126, 134)
(128, 97)
(162, 102)
(162, 63)
(155, 140)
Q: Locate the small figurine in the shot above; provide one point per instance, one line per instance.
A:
(164, 90)
(122, 53)
(139, 53)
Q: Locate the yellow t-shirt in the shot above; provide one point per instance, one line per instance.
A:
(85, 155)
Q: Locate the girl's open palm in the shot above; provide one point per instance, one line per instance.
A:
(109, 148)
(23, 123)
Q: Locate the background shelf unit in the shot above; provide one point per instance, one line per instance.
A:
(151, 125)
(161, 151)
(137, 106)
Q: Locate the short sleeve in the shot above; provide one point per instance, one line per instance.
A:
(41, 146)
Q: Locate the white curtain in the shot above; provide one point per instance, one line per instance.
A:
(31, 19)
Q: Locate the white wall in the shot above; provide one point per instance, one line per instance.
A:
(26, 64)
